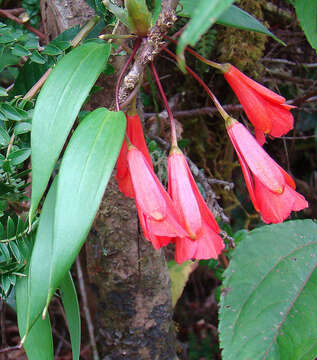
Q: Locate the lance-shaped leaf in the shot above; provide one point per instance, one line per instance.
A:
(70, 302)
(41, 261)
(57, 107)
(205, 15)
(306, 12)
(269, 304)
(39, 340)
(83, 176)
(84, 173)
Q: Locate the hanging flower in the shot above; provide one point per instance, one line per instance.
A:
(135, 135)
(158, 217)
(203, 241)
(265, 109)
(271, 189)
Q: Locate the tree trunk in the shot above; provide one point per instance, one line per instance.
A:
(128, 278)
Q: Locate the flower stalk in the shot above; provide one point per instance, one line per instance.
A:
(168, 109)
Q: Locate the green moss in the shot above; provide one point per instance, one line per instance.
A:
(240, 47)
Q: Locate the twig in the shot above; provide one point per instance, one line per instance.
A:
(10, 348)
(9, 15)
(37, 87)
(201, 111)
(288, 62)
(149, 48)
(86, 310)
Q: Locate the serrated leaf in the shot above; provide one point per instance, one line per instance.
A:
(39, 343)
(19, 156)
(205, 15)
(71, 307)
(240, 19)
(306, 12)
(179, 275)
(269, 304)
(61, 44)
(59, 103)
(7, 59)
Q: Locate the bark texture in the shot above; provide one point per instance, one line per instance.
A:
(131, 285)
(130, 292)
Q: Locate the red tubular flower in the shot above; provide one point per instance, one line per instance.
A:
(271, 189)
(265, 109)
(158, 217)
(135, 135)
(203, 241)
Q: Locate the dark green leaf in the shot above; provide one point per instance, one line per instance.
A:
(3, 91)
(37, 58)
(7, 59)
(4, 137)
(306, 11)
(20, 50)
(59, 103)
(28, 76)
(10, 228)
(20, 128)
(71, 306)
(269, 304)
(19, 156)
(238, 18)
(5, 252)
(11, 112)
(205, 15)
(16, 252)
(61, 44)
(52, 50)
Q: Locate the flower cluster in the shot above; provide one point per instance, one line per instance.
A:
(180, 215)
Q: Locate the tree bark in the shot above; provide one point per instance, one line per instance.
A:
(129, 280)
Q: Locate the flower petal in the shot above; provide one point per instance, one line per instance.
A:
(180, 190)
(259, 162)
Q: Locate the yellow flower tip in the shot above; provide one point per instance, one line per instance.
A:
(230, 121)
(156, 215)
(225, 67)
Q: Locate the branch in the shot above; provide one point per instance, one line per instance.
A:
(9, 15)
(149, 48)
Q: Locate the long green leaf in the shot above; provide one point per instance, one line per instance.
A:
(39, 343)
(71, 306)
(306, 11)
(57, 107)
(41, 260)
(205, 15)
(269, 303)
(84, 173)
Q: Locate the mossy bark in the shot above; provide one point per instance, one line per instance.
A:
(129, 282)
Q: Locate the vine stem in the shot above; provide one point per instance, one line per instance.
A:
(168, 109)
(124, 69)
(221, 110)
